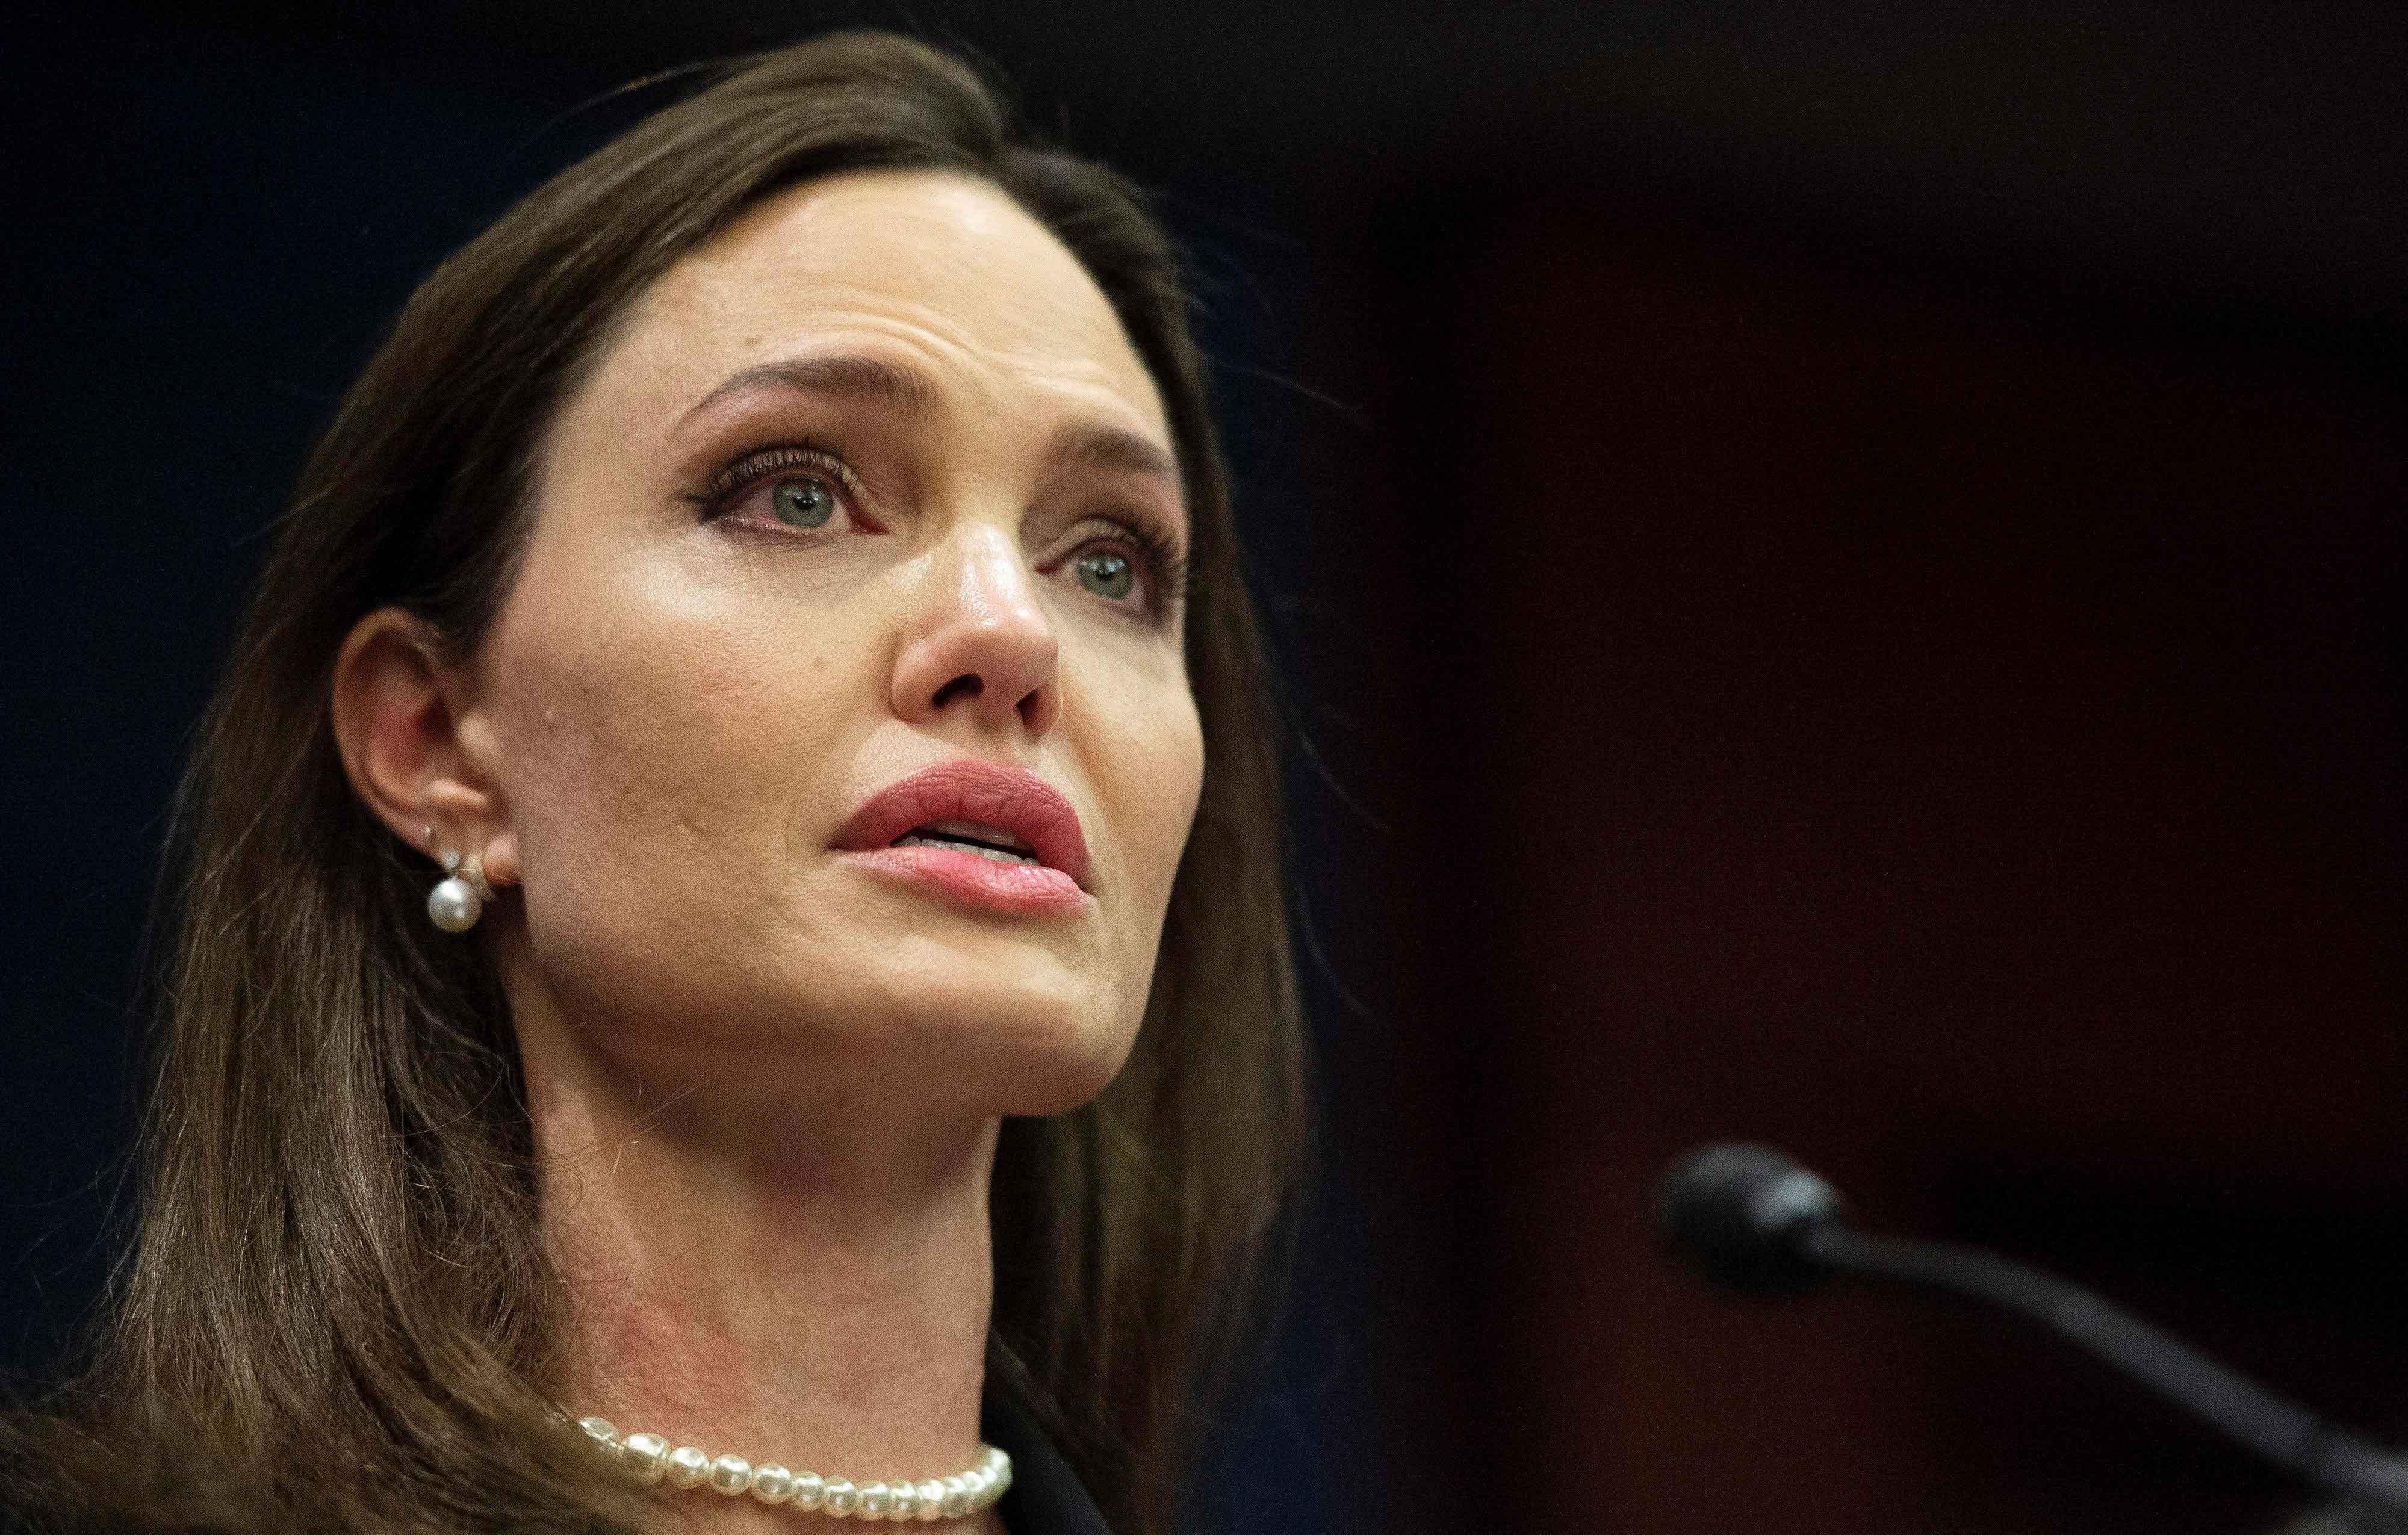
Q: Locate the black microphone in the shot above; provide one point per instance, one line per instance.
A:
(1748, 1217)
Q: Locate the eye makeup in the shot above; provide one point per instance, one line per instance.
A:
(1158, 556)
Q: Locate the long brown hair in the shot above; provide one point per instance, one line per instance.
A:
(335, 1313)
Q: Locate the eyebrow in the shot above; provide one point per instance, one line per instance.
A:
(1110, 448)
(1081, 445)
(844, 376)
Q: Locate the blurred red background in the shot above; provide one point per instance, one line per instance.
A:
(1952, 736)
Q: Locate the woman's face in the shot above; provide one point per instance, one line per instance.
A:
(838, 713)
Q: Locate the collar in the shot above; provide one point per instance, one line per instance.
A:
(1047, 1496)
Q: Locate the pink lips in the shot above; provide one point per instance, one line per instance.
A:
(966, 789)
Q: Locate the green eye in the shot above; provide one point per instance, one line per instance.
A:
(802, 503)
(1106, 574)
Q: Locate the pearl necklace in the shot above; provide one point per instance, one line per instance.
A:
(651, 1459)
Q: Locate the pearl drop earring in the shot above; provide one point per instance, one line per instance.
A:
(459, 900)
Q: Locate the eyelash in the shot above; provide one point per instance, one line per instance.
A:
(1165, 567)
(720, 496)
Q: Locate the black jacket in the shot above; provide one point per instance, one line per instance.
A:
(1046, 1496)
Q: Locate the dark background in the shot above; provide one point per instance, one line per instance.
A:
(1834, 571)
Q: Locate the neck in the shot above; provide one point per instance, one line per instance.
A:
(805, 1283)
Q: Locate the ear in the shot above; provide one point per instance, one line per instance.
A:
(397, 718)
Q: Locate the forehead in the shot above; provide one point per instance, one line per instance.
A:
(935, 268)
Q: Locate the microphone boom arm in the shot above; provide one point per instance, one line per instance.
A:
(2282, 1430)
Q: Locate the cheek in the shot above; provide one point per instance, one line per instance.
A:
(1150, 770)
(657, 755)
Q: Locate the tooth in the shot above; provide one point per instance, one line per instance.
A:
(997, 855)
(975, 830)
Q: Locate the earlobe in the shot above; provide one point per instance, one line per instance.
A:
(396, 728)
(502, 858)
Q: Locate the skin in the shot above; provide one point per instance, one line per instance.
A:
(765, 1084)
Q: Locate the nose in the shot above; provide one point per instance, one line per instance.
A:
(985, 647)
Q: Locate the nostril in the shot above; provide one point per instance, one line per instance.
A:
(965, 687)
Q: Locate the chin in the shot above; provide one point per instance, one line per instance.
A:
(1020, 1045)
(1068, 1079)
(980, 1024)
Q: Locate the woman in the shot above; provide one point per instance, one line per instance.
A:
(731, 888)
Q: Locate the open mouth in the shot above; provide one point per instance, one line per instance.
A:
(975, 838)
(994, 838)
